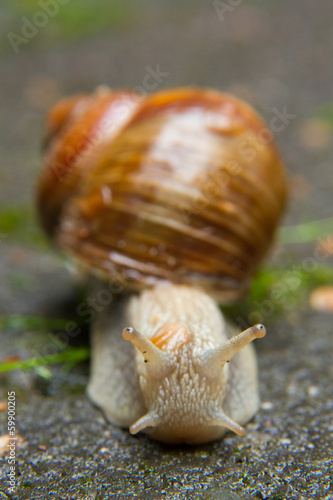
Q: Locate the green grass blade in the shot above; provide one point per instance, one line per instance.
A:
(69, 355)
(307, 232)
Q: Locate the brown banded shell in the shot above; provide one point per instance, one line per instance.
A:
(77, 129)
(190, 189)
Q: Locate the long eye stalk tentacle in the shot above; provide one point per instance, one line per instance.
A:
(158, 362)
(213, 360)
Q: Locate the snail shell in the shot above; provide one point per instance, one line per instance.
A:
(177, 197)
(181, 190)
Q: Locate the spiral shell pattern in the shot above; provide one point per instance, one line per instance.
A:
(186, 188)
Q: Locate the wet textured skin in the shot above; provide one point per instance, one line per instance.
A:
(183, 398)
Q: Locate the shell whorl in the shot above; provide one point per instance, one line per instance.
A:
(77, 129)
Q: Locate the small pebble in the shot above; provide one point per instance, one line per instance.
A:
(285, 441)
(312, 391)
(104, 450)
(3, 406)
(202, 454)
(321, 299)
(266, 405)
(6, 440)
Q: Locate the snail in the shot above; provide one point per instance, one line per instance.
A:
(170, 202)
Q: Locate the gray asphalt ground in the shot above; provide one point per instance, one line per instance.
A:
(278, 56)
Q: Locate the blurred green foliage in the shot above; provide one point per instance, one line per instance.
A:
(19, 223)
(303, 281)
(15, 322)
(307, 232)
(32, 326)
(71, 355)
(66, 20)
(325, 113)
(285, 289)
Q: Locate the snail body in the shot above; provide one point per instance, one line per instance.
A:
(161, 198)
(185, 389)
